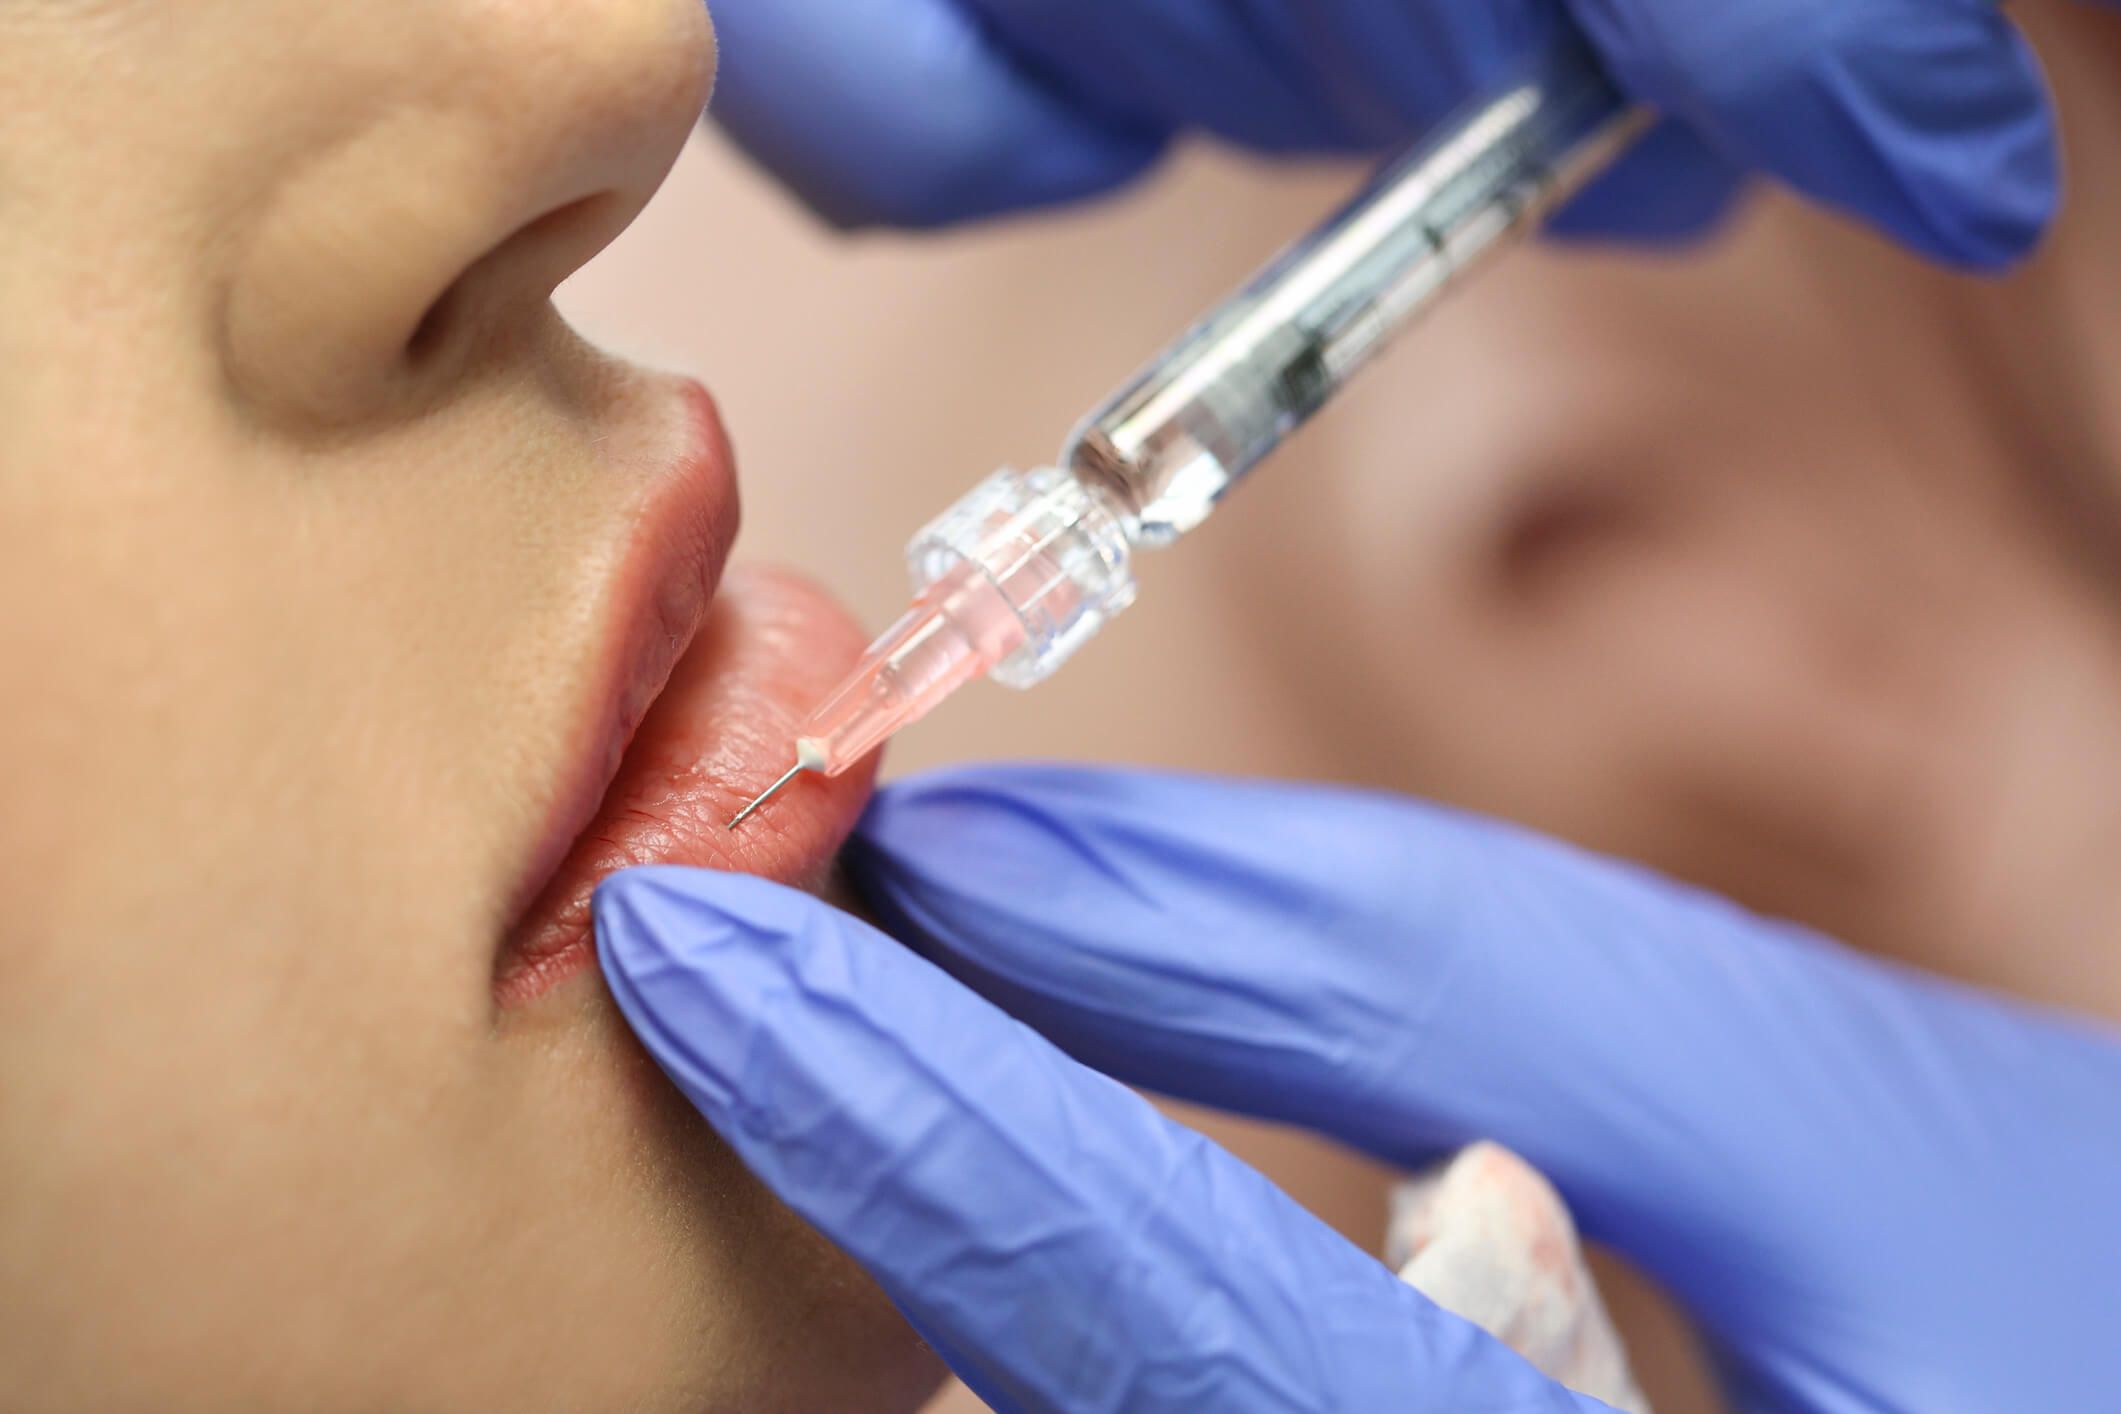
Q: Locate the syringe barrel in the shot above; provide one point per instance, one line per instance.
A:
(1211, 408)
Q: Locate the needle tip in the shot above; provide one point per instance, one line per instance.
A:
(771, 791)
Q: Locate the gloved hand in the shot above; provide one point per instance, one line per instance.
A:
(1873, 1189)
(1928, 118)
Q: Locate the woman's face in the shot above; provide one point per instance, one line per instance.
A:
(338, 577)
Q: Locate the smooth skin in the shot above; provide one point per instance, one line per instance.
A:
(308, 503)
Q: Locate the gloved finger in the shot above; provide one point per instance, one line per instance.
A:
(1361, 76)
(1928, 118)
(1062, 1244)
(1281, 76)
(906, 112)
(1410, 980)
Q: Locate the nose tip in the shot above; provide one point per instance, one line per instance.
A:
(591, 105)
(603, 96)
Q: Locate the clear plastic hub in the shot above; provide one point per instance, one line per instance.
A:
(1008, 583)
(1053, 551)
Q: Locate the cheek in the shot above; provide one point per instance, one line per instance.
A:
(260, 788)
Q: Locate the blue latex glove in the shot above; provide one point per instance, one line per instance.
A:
(1928, 118)
(1873, 1189)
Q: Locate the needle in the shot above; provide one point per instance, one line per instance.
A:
(807, 758)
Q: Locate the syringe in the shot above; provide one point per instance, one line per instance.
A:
(1016, 577)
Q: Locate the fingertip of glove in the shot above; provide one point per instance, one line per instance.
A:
(662, 921)
(630, 913)
(1991, 220)
(707, 970)
(1978, 185)
(1973, 182)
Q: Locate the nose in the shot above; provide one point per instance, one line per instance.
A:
(466, 175)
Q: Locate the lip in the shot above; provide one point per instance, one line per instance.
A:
(694, 711)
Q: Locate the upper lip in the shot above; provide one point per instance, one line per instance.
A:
(698, 702)
(660, 591)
